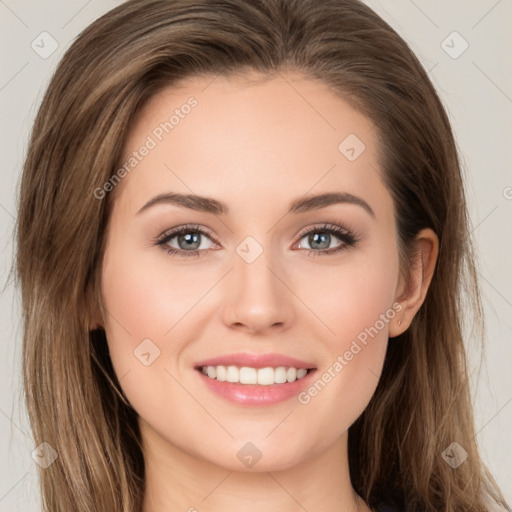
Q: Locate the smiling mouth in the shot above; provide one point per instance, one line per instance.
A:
(267, 376)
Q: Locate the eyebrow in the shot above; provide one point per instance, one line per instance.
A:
(301, 205)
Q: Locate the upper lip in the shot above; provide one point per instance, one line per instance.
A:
(255, 361)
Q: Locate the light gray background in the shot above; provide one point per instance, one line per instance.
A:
(476, 88)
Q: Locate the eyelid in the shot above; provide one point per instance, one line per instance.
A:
(320, 226)
(190, 227)
(348, 237)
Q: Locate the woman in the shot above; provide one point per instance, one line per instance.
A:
(262, 370)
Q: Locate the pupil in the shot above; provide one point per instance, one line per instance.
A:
(190, 239)
(319, 239)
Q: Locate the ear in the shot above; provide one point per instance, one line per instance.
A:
(411, 294)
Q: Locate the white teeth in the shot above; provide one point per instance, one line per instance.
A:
(280, 375)
(291, 374)
(221, 373)
(246, 375)
(266, 376)
(232, 374)
(301, 373)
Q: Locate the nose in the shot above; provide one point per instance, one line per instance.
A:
(258, 297)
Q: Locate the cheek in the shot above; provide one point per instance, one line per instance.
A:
(137, 312)
(357, 306)
(352, 296)
(146, 297)
(150, 312)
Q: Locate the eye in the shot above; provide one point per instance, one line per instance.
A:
(320, 238)
(188, 241)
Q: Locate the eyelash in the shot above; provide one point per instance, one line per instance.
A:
(348, 238)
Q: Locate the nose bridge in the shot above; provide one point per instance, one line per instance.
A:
(258, 297)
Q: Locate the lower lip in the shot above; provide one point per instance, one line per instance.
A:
(252, 394)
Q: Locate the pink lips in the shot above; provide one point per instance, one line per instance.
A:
(255, 361)
(252, 394)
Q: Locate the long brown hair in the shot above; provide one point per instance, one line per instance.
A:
(422, 403)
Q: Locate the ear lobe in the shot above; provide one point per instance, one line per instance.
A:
(96, 319)
(422, 266)
(95, 325)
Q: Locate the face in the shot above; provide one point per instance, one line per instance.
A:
(260, 276)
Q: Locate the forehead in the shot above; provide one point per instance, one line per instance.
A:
(251, 140)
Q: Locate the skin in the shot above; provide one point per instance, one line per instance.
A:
(255, 144)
